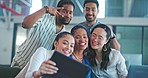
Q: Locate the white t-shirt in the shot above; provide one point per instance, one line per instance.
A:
(37, 59)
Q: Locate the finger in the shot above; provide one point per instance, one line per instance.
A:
(51, 62)
(50, 65)
(60, 8)
(49, 69)
(58, 13)
(46, 72)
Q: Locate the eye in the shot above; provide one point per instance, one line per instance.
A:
(64, 11)
(93, 9)
(65, 43)
(93, 35)
(72, 45)
(87, 9)
(77, 37)
(70, 12)
(85, 36)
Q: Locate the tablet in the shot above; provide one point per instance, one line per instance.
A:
(68, 68)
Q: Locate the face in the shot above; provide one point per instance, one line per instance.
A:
(65, 45)
(81, 39)
(90, 11)
(67, 14)
(98, 38)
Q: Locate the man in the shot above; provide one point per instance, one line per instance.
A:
(91, 9)
(44, 24)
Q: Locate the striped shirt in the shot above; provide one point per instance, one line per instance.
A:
(42, 34)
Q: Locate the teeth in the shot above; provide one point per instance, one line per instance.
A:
(82, 44)
(67, 51)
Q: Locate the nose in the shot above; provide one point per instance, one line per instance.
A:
(96, 39)
(90, 12)
(69, 15)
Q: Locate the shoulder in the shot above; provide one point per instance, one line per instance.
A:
(82, 23)
(47, 17)
(114, 51)
(40, 51)
(116, 54)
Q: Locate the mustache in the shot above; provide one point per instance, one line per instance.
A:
(89, 15)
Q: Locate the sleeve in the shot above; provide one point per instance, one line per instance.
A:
(38, 22)
(41, 20)
(121, 66)
(36, 60)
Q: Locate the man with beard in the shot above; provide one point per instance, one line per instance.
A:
(90, 10)
(45, 24)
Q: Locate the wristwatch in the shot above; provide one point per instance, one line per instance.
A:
(47, 9)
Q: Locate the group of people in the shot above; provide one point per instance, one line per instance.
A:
(89, 42)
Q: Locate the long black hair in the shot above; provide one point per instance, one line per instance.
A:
(91, 54)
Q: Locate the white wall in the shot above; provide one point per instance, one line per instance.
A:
(6, 37)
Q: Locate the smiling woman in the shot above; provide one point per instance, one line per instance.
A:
(35, 7)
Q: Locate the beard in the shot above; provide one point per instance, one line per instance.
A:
(64, 20)
(90, 19)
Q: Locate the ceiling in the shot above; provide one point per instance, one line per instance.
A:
(113, 8)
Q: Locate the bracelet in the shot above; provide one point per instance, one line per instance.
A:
(47, 9)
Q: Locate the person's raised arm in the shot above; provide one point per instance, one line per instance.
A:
(114, 43)
(47, 67)
(32, 18)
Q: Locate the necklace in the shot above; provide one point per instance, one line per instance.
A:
(78, 58)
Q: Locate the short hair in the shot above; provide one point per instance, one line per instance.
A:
(93, 1)
(63, 2)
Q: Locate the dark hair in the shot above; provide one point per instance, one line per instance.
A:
(105, 51)
(73, 30)
(63, 2)
(93, 1)
(61, 35)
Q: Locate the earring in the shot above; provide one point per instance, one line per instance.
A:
(105, 48)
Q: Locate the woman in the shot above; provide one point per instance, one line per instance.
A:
(105, 62)
(81, 43)
(40, 62)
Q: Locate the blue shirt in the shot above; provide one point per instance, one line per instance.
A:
(85, 62)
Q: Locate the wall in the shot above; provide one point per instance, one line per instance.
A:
(6, 37)
(134, 40)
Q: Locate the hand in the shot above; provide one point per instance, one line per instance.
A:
(54, 11)
(112, 33)
(47, 67)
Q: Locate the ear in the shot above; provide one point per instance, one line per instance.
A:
(98, 11)
(55, 44)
